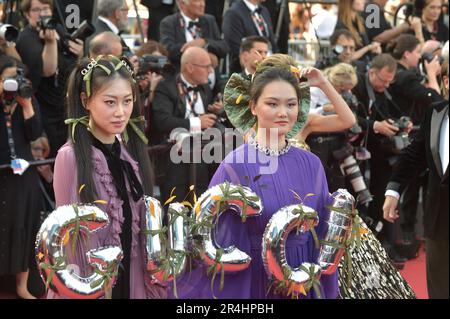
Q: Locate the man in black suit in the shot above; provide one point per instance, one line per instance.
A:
(191, 27)
(157, 11)
(113, 17)
(243, 19)
(184, 102)
(429, 149)
(253, 50)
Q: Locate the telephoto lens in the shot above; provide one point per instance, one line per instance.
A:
(8, 32)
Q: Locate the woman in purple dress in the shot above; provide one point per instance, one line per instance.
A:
(278, 173)
(102, 105)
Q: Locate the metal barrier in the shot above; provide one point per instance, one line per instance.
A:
(306, 53)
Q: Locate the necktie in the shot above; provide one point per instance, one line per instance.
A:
(194, 28)
(259, 21)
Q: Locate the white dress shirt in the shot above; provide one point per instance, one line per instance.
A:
(195, 124)
(187, 33)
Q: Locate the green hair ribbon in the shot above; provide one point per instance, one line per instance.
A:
(132, 122)
(74, 122)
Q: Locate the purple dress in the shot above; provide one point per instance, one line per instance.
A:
(297, 170)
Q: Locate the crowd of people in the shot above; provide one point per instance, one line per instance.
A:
(371, 116)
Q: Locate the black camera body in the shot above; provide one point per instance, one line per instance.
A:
(158, 64)
(47, 23)
(16, 86)
(352, 102)
(84, 31)
(401, 139)
(331, 59)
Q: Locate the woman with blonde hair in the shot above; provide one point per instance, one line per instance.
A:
(349, 18)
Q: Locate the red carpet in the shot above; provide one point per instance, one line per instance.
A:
(415, 274)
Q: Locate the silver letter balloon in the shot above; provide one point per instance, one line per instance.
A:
(339, 226)
(214, 202)
(284, 221)
(52, 259)
(158, 244)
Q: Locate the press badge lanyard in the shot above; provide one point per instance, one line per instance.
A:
(18, 165)
(12, 149)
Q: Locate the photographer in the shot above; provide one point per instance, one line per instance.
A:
(184, 101)
(343, 46)
(334, 149)
(49, 63)
(386, 132)
(20, 197)
(153, 67)
(412, 96)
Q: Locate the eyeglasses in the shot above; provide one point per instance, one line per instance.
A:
(208, 66)
(383, 80)
(39, 10)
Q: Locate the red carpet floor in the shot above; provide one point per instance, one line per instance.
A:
(415, 274)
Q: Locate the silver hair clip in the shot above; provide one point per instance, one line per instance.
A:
(89, 67)
(125, 64)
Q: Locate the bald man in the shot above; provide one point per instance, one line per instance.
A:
(105, 43)
(183, 101)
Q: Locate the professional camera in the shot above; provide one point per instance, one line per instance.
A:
(332, 59)
(428, 56)
(8, 32)
(85, 30)
(350, 169)
(401, 139)
(17, 86)
(154, 63)
(352, 102)
(47, 22)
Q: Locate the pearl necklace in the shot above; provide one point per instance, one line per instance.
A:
(269, 151)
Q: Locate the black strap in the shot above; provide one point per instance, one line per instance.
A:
(8, 119)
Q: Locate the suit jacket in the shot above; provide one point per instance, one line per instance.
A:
(238, 24)
(152, 3)
(100, 27)
(423, 153)
(412, 96)
(169, 108)
(173, 36)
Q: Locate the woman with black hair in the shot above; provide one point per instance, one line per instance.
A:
(20, 198)
(102, 104)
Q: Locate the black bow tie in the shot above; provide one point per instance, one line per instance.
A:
(257, 10)
(193, 89)
(193, 24)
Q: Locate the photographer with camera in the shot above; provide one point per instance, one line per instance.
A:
(343, 46)
(412, 94)
(184, 101)
(379, 117)
(20, 197)
(49, 61)
(414, 97)
(334, 149)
